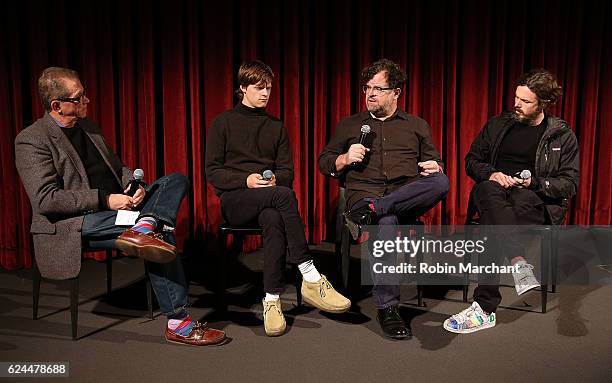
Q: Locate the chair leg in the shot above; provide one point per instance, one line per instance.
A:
(545, 258)
(35, 290)
(149, 292)
(74, 305)
(221, 272)
(554, 253)
(420, 232)
(109, 272)
(298, 285)
(345, 254)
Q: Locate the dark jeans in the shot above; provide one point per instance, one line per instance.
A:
(162, 202)
(275, 210)
(406, 203)
(499, 206)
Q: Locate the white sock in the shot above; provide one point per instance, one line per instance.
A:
(309, 271)
(271, 297)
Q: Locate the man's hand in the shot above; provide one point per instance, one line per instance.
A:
(137, 197)
(255, 180)
(429, 167)
(355, 154)
(505, 180)
(119, 202)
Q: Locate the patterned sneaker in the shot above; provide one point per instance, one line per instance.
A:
(470, 320)
(524, 280)
(274, 320)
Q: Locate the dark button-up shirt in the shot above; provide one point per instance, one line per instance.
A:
(396, 145)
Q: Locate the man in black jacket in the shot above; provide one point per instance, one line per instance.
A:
(525, 163)
(248, 162)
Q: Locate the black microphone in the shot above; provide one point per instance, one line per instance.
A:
(136, 182)
(365, 130)
(267, 174)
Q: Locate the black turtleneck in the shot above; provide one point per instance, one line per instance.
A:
(245, 140)
(99, 174)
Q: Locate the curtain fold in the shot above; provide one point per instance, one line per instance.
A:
(158, 73)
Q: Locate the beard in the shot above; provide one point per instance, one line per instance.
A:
(527, 119)
(380, 110)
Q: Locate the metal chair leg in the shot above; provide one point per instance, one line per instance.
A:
(298, 285)
(109, 272)
(35, 290)
(74, 306)
(545, 259)
(149, 292)
(345, 250)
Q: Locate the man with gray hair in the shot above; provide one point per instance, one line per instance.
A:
(76, 185)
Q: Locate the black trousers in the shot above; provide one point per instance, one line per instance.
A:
(275, 210)
(499, 206)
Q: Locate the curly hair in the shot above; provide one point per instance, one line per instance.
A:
(396, 77)
(543, 84)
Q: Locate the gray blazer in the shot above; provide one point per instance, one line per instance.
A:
(56, 182)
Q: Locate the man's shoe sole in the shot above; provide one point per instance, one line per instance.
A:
(333, 311)
(277, 332)
(144, 252)
(225, 340)
(469, 331)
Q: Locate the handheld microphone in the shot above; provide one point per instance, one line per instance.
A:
(365, 130)
(267, 174)
(136, 182)
(524, 174)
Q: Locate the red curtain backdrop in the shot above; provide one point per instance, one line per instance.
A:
(158, 72)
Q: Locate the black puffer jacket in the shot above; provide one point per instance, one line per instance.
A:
(556, 164)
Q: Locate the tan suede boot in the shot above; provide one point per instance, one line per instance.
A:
(274, 320)
(323, 296)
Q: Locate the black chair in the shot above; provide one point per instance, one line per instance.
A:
(343, 248)
(548, 253)
(74, 290)
(238, 233)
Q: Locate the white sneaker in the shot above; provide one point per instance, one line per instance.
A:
(470, 320)
(524, 280)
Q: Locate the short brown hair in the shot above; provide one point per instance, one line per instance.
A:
(396, 77)
(252, 73)
(52, 86)
(543, 84)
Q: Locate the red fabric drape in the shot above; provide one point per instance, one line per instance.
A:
(159, 72)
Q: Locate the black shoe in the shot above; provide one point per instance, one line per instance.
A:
(357, 218)
(392, 324)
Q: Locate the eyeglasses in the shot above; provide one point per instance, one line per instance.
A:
(74, 100)
(377, 90)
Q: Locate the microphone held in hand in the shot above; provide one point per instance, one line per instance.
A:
(267, 174)
(365, 130)
(524, 174)
(136, 182)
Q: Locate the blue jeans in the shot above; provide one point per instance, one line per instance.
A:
(406, 203)
(162, 202)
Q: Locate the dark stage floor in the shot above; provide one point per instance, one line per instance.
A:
(572, 342)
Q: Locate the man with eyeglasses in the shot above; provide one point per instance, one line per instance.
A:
(77, 185)
(392, 176)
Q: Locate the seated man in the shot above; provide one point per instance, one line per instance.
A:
(525, 163)
(248, 162)
(76, 186)
(393, 175)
